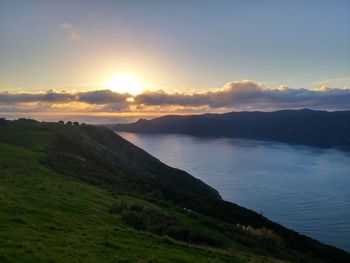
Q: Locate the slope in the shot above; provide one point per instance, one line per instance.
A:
(66, 200)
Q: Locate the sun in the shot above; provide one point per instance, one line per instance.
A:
(125, 84)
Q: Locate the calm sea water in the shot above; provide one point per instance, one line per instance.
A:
(304, 188)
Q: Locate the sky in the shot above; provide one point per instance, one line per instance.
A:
(185, 56)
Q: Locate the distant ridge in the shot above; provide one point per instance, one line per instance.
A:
(305, 126)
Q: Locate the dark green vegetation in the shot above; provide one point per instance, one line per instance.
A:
(80, 193)
(318, 128)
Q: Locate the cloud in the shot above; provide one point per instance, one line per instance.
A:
(49, 96)
(232, 94)
(335, 82)
(73, 32)
(91, 97)
(102, 97)
(98, 100)
(236, 95)
(249, 95)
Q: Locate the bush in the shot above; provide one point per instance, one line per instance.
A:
(117, 208)
(135, 220)
(156, 222)
(263, 233)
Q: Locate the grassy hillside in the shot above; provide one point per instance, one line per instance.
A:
(83, 194)
(49, 217)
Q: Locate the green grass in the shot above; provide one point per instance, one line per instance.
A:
(69, 194)
(27, 137)
(49, 217)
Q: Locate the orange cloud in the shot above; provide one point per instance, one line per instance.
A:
(236, 95)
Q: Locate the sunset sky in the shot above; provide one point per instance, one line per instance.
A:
(122, 58)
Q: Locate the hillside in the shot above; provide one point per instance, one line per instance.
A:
(81, 193)
(318, 128)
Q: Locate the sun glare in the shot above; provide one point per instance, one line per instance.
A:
(125, 84)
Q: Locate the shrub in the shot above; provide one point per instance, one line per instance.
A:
(135, 220)
(157, 222)
(263, 233)
(117, 208)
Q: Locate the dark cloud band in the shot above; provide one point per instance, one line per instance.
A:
(250, 95)
(90, 97)
(237, 95)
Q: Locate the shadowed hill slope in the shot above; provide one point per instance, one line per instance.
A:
(318, 128)
(103, 148)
